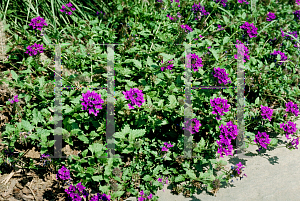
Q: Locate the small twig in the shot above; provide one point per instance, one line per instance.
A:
(32, 190)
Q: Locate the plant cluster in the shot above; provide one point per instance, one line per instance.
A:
(150, 94)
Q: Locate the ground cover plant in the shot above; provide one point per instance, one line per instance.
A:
(149, 90)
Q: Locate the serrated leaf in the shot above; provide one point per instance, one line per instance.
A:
(147, 178)
(137, 63)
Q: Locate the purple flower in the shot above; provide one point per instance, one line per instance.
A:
(243, 1)
(219, 106)
(225, 146)
(221, 75)
(168, 67)
(230, 131)
(38, 23)
(298, 2)
(283, 57)
(198, 8)
(262, 139)
(246, 56)
(266, 112)
(271, 16)
(64, 8)
(295, 141)
(195, 128)
(91, 101)
(297, 14)
(196, 62)
(186, 27)
(34, 49)
(289, 128)
(223, 2)
(136, 97)
(251, 29)
(14, 100)
(293, 108)
(63, 173)
(170, 17)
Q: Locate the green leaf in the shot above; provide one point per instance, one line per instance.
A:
(97, 178)
(137, 63)
(14, 75)
(119, 7)
(37, 117)
(244, 15)
(147, 178)
(26, 125)
(179, 178)
(97, 148)
(191, 174)
(51, 143)
(226, 20)
(118, 193)
(215, 54)
(273, 141)
(83, 138)
(225, 39)
(84, 152)
(257, 101)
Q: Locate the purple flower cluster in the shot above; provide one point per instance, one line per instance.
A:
(263, 139)
(64, 10)
(89, 103)
(283, 57)
(161, 180)
(219, 27)
(294, 33)
(38, 23)
(297, 14)
(168, 146)
(71, 191)
(237, 170)
(196, 62)
(246, 54)
(219, 106)
(243, 1)
(266, 112)
(221, 75)
(168, 67)
(223, 2)
(75, 192)
(34, 49)
(198, 8)
(271, 16)
(136, 97)
(228, 133)
(293, 108)
(63, 173)
(187, 27)
(193, 129)
(14, 100)
(43, 157)
(101, 13)
(298, 2)
(143, 198)
(251, 29)
(98, 197)
(171, 18)
(289, 128)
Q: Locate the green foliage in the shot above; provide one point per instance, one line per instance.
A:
(145, 37)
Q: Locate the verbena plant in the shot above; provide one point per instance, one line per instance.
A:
(149, 88)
